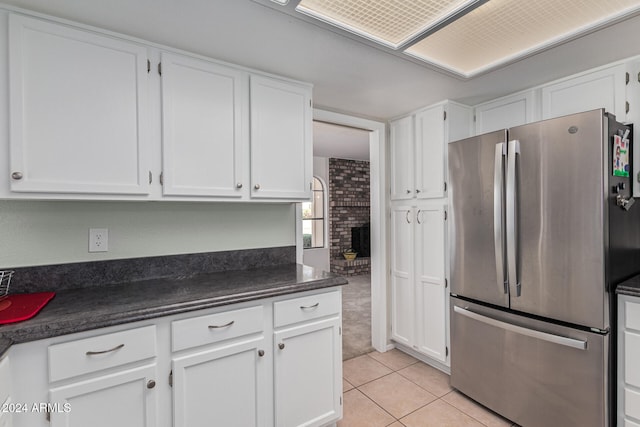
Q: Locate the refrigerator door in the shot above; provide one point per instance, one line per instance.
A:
(534, 373)
(476, 225)
(555, 216)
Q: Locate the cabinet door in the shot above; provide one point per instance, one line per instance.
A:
(223, 386)
(308, 374)
(125, 398)
(79, 111)
(431, 336)
(203, 136)
(506, 112)
(402, 287)
(402, 159)
(281, 139)
(604, 88)
(430, 145)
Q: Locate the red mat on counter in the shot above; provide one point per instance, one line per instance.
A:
(23, 306)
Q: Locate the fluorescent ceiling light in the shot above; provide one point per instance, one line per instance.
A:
(503, 31)
(391, 23)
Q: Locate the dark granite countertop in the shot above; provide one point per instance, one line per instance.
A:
(630, 287)
(78, 310)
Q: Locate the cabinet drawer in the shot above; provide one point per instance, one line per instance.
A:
(306, 308)
(212, 328)
(632, 318)
(5, 379)
(97, 353)
(632, 403)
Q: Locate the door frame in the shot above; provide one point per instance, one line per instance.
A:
(377, 164)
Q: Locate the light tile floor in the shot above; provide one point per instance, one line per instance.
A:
(395, 389)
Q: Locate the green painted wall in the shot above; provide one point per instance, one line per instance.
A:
(45, 232)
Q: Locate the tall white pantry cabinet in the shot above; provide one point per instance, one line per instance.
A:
(418, 177)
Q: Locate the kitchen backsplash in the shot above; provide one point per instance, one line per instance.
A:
(60, 277)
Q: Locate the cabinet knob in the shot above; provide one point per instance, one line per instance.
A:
(257, 186)
(239, 185)
(260, 353)
(281, 346)
(151, 384)
(16, 175)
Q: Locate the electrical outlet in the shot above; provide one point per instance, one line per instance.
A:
(98, 240)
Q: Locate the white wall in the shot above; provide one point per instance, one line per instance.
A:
(46, 232)
(319, 258)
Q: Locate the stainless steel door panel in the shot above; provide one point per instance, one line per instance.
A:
(473, 224)
(531, 372)
(560, 219)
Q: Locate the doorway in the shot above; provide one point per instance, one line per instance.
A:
(376, 135)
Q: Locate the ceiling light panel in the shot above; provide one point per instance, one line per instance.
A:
(391, 23)
(502, 31)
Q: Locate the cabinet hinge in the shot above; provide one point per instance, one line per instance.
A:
(148, 66)
(445, 215)
(444, 115)
(626, 78)
(161, 178)
(171, 379)
(310, 103)
(150, 177)
(340, 330)
(160, 68)
(48, 416)
(474, 118)
(340, 400)
(446, 283)
(626, 107)
(446, 351)
(445, 186)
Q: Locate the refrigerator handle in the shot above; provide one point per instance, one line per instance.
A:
(498, 217)
(544, 336)
(513, 152)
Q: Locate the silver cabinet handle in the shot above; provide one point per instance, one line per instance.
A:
(498, 217)
(93, 353)
(151, 384)
(16, 175)
(407, 217)
(418, 216)
(417, 191)
(408, 191)
(257, 186)
(309, 307)
(226, 325)
(239, 185)
(260, 353)
(545, 336)
(281, 346)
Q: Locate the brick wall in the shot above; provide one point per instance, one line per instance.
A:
(349, 206)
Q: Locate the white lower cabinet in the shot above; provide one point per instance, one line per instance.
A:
(418, 283)
(124, 398)
(222, 386)
(272, 362)
(307, 367)
(628, 356)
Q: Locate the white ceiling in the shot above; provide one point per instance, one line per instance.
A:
(342, 142)
(349, 76)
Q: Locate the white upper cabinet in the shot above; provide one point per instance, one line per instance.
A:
(419, 149)
(602, 88)
(281, 139)
(402, 163)
(97, 116)
(203, 128)
(79, 111)
(509, 111)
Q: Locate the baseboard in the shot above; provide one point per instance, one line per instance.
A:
(421, 357)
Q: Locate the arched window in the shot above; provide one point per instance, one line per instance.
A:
(313, 218)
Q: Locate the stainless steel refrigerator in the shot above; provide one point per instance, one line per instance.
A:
(542, 228)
